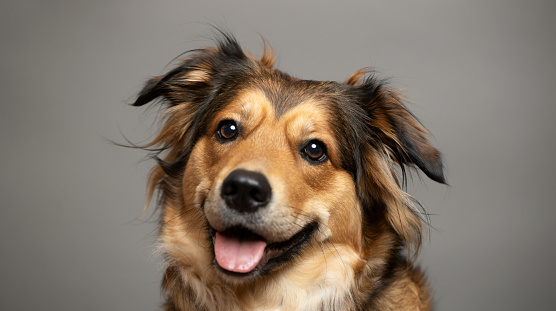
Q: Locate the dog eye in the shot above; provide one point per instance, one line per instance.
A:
(227, 131)
(315, 151)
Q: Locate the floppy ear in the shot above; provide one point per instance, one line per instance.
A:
(406, 139)
(192, 80)
(393, 135)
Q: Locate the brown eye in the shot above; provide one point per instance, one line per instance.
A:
(315, 151)
(227, 131)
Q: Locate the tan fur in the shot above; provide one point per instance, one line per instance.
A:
(327, 268)
(350, 263)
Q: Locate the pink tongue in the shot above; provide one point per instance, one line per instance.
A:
(237, 255)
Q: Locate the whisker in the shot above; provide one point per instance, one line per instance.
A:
(338, 253)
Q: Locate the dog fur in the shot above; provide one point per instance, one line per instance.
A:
(335, 218)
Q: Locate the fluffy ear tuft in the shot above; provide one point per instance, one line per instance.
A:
(192, 79)
(413, 145)
(393, 125)
(182, 83)
(155, 87)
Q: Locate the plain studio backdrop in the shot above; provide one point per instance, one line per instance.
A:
(481, 76)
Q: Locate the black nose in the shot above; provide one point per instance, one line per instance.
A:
(246, 191)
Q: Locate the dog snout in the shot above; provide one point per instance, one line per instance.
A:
(246, 191)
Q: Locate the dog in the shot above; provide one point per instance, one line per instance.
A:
(277, 193)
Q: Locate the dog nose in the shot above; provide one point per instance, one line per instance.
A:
(246, 191)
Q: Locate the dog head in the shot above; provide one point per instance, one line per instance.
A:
(257, 167)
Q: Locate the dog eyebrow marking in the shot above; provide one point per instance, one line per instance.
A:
(306, 118)
(301, 126)
(254, 106)
(309, 120)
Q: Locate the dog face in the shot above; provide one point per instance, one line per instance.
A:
(271, 184)
(261, 171)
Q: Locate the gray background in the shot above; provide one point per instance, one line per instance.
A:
(480, 75)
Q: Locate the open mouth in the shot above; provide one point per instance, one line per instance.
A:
(240, 252)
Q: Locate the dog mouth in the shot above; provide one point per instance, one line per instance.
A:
(241, 252)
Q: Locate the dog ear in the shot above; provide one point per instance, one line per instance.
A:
(394, 125)
(193, 79)
(392, 135)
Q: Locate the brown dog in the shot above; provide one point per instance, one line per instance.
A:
(281, 194)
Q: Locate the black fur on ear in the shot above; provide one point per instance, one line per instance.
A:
(391, 123)
(193, 78)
